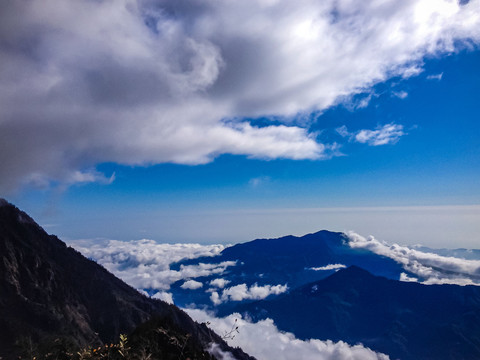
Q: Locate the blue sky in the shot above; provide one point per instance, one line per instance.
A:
(287, 124)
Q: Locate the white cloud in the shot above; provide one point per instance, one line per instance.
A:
(148, 82)
(435, 77)
(431, 268)
(404, 277)
(243, 292)
(215, 298)
(203, 269)
(145, 264)
(219, 283)
(400, 94)
(218, 353)
(329, 267)
(164, 296)
(191, 285)
(383, 135)
(343, 131)
(264, 341)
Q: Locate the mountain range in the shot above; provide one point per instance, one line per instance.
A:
(316, 286)
(289, 260)
(402, 319)
(341, 293)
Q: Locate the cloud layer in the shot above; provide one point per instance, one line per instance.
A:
(430, 268)
(152, 81)
(145, 264)
(264, 341)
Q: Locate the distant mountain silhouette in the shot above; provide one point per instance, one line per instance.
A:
(286, 260)
(50, 291)
(403, 320)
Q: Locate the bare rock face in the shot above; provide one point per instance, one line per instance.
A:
(49, 290)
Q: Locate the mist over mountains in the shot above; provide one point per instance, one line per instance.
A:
(369, 296)
(215, 275)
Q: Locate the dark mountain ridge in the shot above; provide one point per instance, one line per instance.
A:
(286, 260)
(403, 320)
(49, 290)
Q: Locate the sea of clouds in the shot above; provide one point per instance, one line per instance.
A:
(263, 340)
(146, 264)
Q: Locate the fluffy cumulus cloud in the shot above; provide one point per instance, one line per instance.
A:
(219, 283)
(430, 268)
(243, 292)
(141, 82)
(164, 296)
(191, 285)
(264, 341)
(145, 264)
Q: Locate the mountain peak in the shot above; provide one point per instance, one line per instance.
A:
(9, 211)
(352, 273)
(354, 269)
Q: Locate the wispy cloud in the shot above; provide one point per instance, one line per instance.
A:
(382, 135)
(329, 267)
(400, 94)
(148, 82)
(243, 292)
(264, 341)
(343, 131)
(429, 267)
(259, 181)
(435, 77)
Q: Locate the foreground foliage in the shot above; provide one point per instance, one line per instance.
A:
(147, 343)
